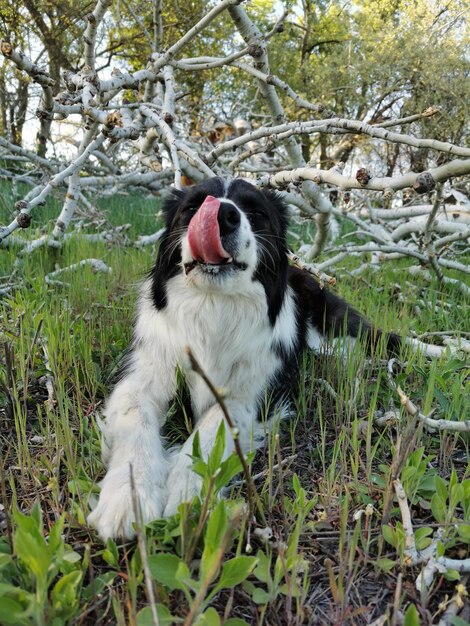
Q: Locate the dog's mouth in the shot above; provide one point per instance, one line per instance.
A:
(227, 265)
(205, 241)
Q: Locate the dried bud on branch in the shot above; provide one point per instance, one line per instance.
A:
(255, 51)
(21, 205)
(113, 119)
(24, 220)
(168, 118)
(424, 183)
(363, 176)
(430, 111)
(6, 48)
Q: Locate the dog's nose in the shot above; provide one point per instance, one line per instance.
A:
(228, 218)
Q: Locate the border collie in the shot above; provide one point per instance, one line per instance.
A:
(221, 285)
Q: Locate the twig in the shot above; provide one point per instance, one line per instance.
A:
(462, 426)
(455, 603)
(260, 475)
(251, 489)
(97, 265)
(28, 364)
(143, 550)
(427, 240)
(89, 38)
(5, 500)
(457, 167)
(312, 269)
(427, 557)
(51, 395)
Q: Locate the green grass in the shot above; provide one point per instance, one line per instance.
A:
(324, 563)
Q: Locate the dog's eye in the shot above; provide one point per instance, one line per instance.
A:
(255, 217)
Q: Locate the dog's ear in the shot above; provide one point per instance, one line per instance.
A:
(171, 204)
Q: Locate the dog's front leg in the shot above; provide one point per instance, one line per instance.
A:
(131, 440)
(183, 483)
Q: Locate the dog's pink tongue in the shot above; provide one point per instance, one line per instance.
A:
(204, 235)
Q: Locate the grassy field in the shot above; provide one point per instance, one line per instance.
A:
(325, 548)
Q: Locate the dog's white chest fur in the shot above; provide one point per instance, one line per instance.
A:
(230, 336)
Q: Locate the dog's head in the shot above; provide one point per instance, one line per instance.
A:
(223, 236)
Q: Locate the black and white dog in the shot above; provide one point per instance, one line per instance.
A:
(221, 285)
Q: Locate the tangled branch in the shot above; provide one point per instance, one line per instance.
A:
(153, 135)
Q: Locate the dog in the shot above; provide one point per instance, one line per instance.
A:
(223, 286)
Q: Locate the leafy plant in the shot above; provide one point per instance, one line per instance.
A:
(214, 573)
(286, 574)
(417, 477)
(41, 581)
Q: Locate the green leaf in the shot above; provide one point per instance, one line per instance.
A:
(31, 548)
(455, 620)
(296, 484)
(183, 575)
(293, 590)
(234, 571)
(70, 561)
(199, 467)
(97, 585)
(422, 537)
(440, 397)
(210, 565)
(453, 366)
(209, 618)
(440, 549)
(386, 565)
(441, 488)
(111, 554)
(464, 531)
(407, 473)
(454, 479)
(165, 618)
(263, 569)
(415, 458)
(278, 571)
(235, 621)
(452, 574)
(438, 508)
(228, 469)
(5, 560)
(216, 454)
(260, 596)
(456, 495)
(12, 613)
(390, 535)
(56, 542)
(36, 515)
(164, 568)
(411, 617)
(197, 453)
(65, 595)
(216, 529)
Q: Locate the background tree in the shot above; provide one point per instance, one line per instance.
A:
(378, 60)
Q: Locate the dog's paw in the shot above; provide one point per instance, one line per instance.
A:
(183, 485)
(114, 514)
